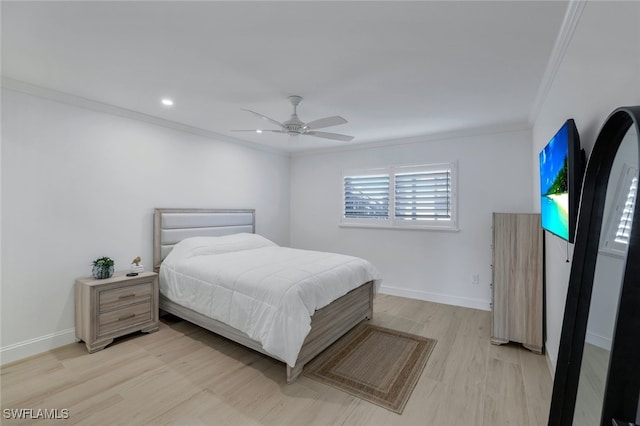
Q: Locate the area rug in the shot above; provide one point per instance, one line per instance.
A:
(376, 364)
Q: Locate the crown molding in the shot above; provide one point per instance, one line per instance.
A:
(567, 29)
(78, 101)
(455, 134)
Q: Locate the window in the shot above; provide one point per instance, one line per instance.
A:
(620, 213)
(624, 226)
(366, 196)
(421, 196)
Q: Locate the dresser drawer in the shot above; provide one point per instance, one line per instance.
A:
(124, 296)
(120, 319)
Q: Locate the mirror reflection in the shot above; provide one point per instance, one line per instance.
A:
(610, 264)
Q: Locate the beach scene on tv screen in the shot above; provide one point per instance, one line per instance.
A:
(554, 195)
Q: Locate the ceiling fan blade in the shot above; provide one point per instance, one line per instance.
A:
(326, 135)
(325, 122)
(264, 117)
(258, 130)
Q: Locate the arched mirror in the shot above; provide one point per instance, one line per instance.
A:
(597, 376)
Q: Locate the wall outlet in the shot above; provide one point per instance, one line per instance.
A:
(475, 279)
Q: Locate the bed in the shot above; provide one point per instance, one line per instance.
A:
(194, 268)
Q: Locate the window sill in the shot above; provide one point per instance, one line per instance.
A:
(399, 228)
(612, 253)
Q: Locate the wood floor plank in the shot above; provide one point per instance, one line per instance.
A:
(184, 375)
(508, 353)
(505, 394)
(537, 386)
(591, 385)
(194, 409)
(463, 376)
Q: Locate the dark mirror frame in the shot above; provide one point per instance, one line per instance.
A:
(623, 378)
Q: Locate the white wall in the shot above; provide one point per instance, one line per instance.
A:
(599, 72)
(494, 174)
(78, 184)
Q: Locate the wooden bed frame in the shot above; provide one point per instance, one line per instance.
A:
(327, 324)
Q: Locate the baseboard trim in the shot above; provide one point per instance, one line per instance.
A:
(446, 299)
(552, 370)
(36, 345)
(552, 359)
(598, 340)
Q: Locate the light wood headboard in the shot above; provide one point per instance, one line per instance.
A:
(170, 226)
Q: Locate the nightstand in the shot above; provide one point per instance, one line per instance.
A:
(113, 307)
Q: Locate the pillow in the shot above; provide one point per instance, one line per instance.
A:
(201, 246)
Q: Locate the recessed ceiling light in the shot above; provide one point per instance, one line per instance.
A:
(167, 102)
(258, 131)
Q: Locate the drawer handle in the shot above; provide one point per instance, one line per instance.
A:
(126, 317)
(126, 296)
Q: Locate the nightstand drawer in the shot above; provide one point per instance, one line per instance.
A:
(119, 319)
(124, 296)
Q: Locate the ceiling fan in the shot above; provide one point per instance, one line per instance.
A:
(293, 126)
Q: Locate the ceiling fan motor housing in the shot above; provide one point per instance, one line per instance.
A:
(293, 125)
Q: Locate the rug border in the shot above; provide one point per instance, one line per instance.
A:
(339, 345)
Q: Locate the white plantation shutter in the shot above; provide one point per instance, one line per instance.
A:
(420, 196)
(619, 216)
(366, 196)
(423, 195)
(624, 226)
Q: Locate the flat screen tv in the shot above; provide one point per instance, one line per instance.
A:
(561, 170)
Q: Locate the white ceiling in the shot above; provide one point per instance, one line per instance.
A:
(393, 69)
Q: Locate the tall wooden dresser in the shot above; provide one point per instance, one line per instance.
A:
(517, 287)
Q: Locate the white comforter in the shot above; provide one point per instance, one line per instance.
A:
(266, 291)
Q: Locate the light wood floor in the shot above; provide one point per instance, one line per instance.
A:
(591, 385)
(185, 375)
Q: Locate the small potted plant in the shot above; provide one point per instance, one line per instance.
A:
(102, 268)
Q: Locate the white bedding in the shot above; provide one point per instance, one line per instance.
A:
(253, 285)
